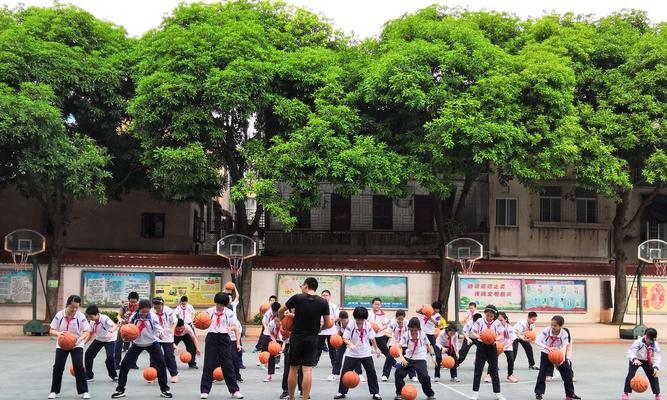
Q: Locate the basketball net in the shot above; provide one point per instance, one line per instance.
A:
(660, 266)
(467, 265)
(236, 266)
(20, 260)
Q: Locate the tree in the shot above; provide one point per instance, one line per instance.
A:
(63, 92)
(459, 96)
(621, 69)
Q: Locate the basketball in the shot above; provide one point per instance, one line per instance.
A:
(71, 371)
(395, 351)
(264, 308)
(409, 392)
(500, 347)
(639, 384)
(351, 379)
(336, 341)
(229, 286)
(376, 327)
(275, 348)
(185, 357)
(487, 336)
(264, 357)
(427, 310)
(287, 322)
(129, 332)
(436, 332)
(530, 335)
(285, 334)
(556, 357)
(150, 374)
(217, 374)
(202, 320)
(67, 341)
(448, 362)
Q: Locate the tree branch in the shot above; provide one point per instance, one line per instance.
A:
(467, 185)
(645, 203)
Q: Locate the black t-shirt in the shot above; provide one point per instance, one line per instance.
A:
(308, 312)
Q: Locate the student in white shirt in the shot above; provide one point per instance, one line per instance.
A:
(520, 328)
(508, 340)
(185, 311)
(166, 317)
(105, 333)
(274, 336)
(448, 343)
(378, 317)
(260, 339)
(325, 334)
(341, 325)
(184, 333)
(468, 340)
(645, 354)
(487, 353)
(361, 341)
(554, 337)
(396, 329)
(73, 321)
(428, 325)
(235, 334)
(150, 332)
(413, 358)
(470, 312)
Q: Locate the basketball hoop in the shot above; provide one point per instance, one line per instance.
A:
(236, 266)
(236, 249)
(467, 265)
(465, 252)
(20, 259)
(660, 266)
(22, 244)
(654, 251)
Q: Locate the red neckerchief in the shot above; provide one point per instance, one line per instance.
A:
(132, 307)
(217, 322)
(159, 315)
(416, 342)
(450, 346)
(552, 339)
(426, 319)
(648, 353)
(142, 325)
(400, 329)
(97, 323)
(362, 332)
(68, 320)
(381, 313)
(505, 333)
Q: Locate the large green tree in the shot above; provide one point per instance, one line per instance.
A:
(63, 92)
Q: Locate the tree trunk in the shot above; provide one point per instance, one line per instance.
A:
(53, 272)
(442, 213)
(620, 269)
(246, 288)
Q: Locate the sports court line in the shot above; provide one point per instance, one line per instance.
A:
(454, 390)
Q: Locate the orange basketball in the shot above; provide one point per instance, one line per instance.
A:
(150, 374)
(287, 322)
(186, 357)
(264, 357)
(500, 347)
(336, 340)
(409, 392)
(217, 374)
(556, 357)
(639, 384)
(351, 379)
(229, 286)
(264, 308)
(530, 335)
(375, 327)
(285, 334)
(427, 310)
(395, 351)
(436, 333)
(67, 341)
(448, 362)
(487, 336)
(202, 320)
(129, 332)
(275, 348)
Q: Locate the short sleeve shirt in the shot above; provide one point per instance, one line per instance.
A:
(415, 347)
(101, 330)
(76, 324)
(360, 337)
(308, 311)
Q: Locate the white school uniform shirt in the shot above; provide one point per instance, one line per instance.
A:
(239, 328)
(76, 325)
(494, 325)
(275, 331)
(469, 315)
(397, 330)
(360, 337)
(266, 319)
(101, 330)
(169, 319)
(548, 339)
(221, 323)
(380, 318)
(333, 313)
(467, 328)
(451, 344)
(509, 336)
(641, 351)
(149, 329)
(416, 348)
(427, 324)
(523, 326)
(186, 313)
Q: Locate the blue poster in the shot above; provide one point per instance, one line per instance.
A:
(112, 288)
(360, 291)
(555, 295)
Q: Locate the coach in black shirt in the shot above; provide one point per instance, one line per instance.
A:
(309, 309)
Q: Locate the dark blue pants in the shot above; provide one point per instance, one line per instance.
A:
(416, 367)
(324, 345)
(350, 364)
(236, 359)
(486, 353)
(118, 351)
(272, 359)
(110, 363)
(169, 358)
(527, 348)
(463, 352)
(648, 370)
(565, 370)
(218, 354)
(338, 363)
(59, 367)
(438, 354)
(299, 379)
(189, 346)
(155, 352)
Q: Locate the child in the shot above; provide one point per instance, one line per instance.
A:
(150, 332)
(520, 329)
(470, 313)
(554, 337)
(185, 311)
(123, 315)
(105, 334)
(508, 340)
(468, 341)
(235, 334)
(378, 316)
(414, 359)
(644, 353)
(184, 333)
(325, 334)
(487, 353)
(73, 321)
(428, 325)
(396, 329)
(285, 393)
(568, 358)
(218, 347)
(274, 336)
(341, 325)
(269, 315)
(260, 340)
(448, 342)
(356, 337)
(166, 318)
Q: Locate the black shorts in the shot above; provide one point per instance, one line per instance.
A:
(303, 350)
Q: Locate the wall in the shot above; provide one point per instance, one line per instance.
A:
(23, 312)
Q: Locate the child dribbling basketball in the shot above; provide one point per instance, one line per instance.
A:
(448, 342)
(487, 353)
(645, 354)
(396, 329)
(554, 338)
(105, 332)
(508, 340)
(413, 359)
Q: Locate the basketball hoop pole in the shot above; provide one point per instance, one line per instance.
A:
(457, 296)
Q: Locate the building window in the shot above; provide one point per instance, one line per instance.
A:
(550, 199)
(586, 206)
(302, 218)
(213, 217)
(341, 213)
(383, 212)
(506, 212)
(152, 225)
(423, 213)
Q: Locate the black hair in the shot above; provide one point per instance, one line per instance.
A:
(414, 323)
(221, 298)
(472, 303)
(400, 313)
(144, 303)
(92, 310)
(326, 291)
(360, 313)
(476, 316)
(180, 323)
(311, 283)
(504, 315)
(343, 314)
(184, 298)
(376, 299)
(73, 299)
(652, 333)
(274, 297)
(275, 306)
(436, 305)
(133, 295)
(558, 319)
(532, 314)
(451, 327)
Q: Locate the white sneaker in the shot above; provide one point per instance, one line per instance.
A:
(174, 379)
(475, 396)
(268, 378)
(53, 395)
(500, 397)
(259, 364)
(277, 366)
(362, 378)
(457, 380)
(415, 379)
(237, 395)
(436, 379)
(85, 395)
(331, 377)
(384, 378)
(203, 396)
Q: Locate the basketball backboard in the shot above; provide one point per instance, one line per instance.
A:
(652, 250)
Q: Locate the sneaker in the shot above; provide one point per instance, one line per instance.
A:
(415, 379)
(436, 379)
(193, 367)
(277, 366)
(362, 378)
(203, 396)
(625, 396)
(174, 379)
(475, 396)
(114, 379)
(332, 377)
(549, 378)
(575, 397)
(398, 397)
(90, 380)
(284, 395)
(500, 397)
(384, 378)
(539, 397)
(237, 395)
(533, 368)
(239, 379)
(659, 396)
(512, 379)
(241, 366)
(150, 382)
(487, 379)
(53, 395)
(118, 394)
(268, 378)
(86, 395)
(430, 398)
(259, 364)
(376, 397)
(456, 379)
(339, 396)
(166, 394)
